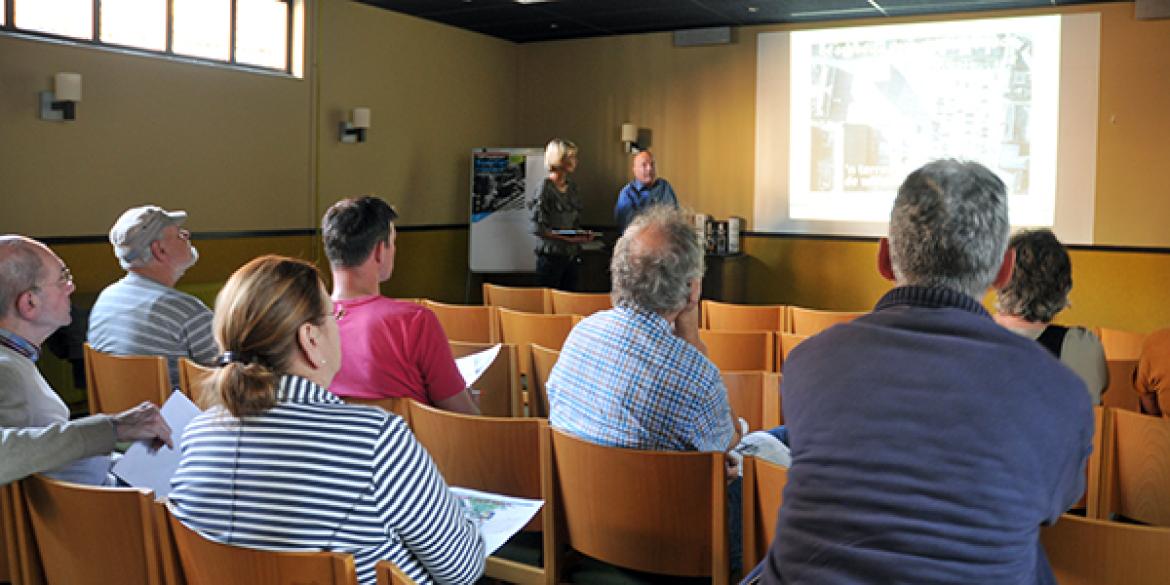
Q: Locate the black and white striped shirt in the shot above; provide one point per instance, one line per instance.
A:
(313, 473)
(138, 316)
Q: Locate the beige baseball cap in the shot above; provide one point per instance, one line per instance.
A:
(134, 231)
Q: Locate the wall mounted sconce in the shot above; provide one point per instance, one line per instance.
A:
(61, 103)
(355, 129)
(630, 137)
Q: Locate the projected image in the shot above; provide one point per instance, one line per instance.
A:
(870, 105)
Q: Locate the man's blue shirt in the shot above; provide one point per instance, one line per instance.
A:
(636, 196)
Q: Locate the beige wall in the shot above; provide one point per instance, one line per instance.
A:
(231, 147)
(436, 93)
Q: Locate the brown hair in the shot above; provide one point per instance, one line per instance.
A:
(257, 315)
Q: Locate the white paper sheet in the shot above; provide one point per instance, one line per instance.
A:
(473, 366)
(499, 516)
(143, 469)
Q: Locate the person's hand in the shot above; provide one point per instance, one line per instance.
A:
(686, 324)
(731, 463)
(143, 423)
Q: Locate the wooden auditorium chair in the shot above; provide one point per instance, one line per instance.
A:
(1091, 551)
(763, 488)
(399, 405)
(755, 397)
(509, 456)
(1120, 344)
(1120, 392)
(206, 562)
(115, 383)
(389, 574)
(735, 317)
(807, 322)
(499, 385)
(1135, 468)
(193, 379)
(524, 329)
(530, 299)
(90, 535)
(470, 323)
(572, 303)
(740, 350)
(785, 342)
(653, 511)
(543, 360)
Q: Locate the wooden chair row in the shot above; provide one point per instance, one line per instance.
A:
(781, 318)
(1129, 470)
(535, 299)
(62, 535)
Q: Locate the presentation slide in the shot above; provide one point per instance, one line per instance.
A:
(844, 114)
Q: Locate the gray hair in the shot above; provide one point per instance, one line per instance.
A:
(1042, 278)
(655, 260)
(949, 227)
(556, 151)
(20, 268)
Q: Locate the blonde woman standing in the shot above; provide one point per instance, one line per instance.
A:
(557, 211)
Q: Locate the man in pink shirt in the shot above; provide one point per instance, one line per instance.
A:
(389, 348)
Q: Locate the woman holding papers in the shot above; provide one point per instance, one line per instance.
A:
(557, 216)
(277, 461)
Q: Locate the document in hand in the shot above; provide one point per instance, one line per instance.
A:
(143, 469)
(473, 366)
(499, 516)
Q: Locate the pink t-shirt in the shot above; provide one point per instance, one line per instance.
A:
(393, 348)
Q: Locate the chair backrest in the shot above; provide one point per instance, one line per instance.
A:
(571, 303)
(117, 382)
(656, 511)
(804, 321)
(763, 489)
(1120, 392)
(389, 574)
(193, 379)
(23, 563)
(526, 328)
(543, 360)
(755, 396)
(530, 299)
(785, 342)
(470, 323)
(740, 350)
(734, 317)
(1120, 344)
(73, 526)
(206, 562)
(399, 405)
(509, 456)
(1088, 551)
(499, 385)
(1136, 480)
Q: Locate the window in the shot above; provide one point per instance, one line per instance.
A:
(252, 33)
(135, 23)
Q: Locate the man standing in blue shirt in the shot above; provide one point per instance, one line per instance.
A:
(644, 191)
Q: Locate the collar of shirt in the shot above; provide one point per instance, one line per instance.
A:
(19, 344)
(138, 280)
(641, 187)
(653, 320)
(299, 390)
(931, 297)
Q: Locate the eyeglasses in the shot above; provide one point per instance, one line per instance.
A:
(65, 279)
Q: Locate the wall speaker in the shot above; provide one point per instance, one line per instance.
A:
(694, 37)
(1151, 9)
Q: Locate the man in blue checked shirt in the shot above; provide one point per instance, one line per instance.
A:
(637, 376)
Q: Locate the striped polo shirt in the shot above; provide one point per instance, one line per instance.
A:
(313, 473)
(138, 316)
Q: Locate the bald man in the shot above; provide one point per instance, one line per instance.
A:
(34, 302)
(646, 190)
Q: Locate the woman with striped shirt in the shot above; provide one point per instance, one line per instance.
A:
(278, 462)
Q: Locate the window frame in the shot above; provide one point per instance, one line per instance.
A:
(291, 8)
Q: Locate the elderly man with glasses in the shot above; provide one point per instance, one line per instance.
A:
(36, 434)
(143, 314)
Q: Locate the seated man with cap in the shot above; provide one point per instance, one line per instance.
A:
(143, 314)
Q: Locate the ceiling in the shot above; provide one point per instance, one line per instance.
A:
(545, 20)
